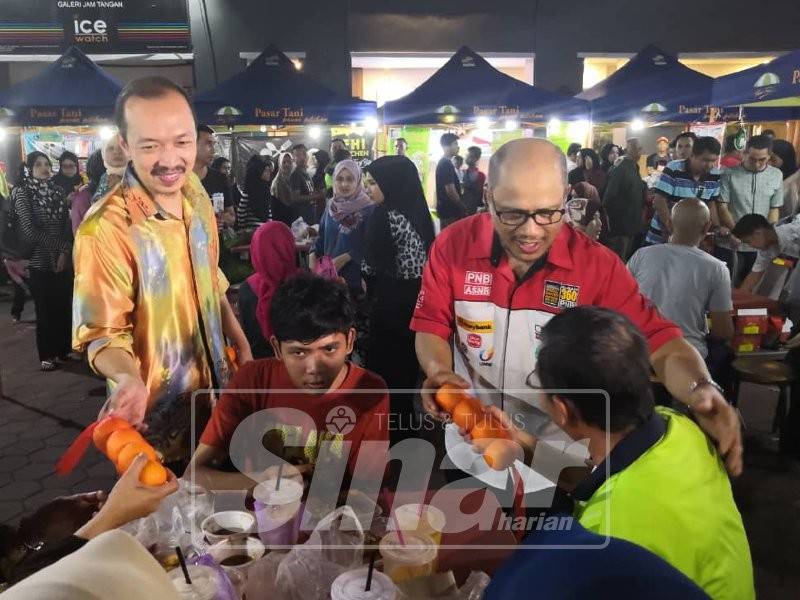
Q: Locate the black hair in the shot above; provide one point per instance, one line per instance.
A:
(31, 159)
(785, 151)
(475, 151)
(768, 132)
(149, 88)
(308, 307)
(605, 151)
(706, 144)
(338, 139)
(447, 139)
(341, 154)
(685, 134)
(760, 142)
(67, 155)
(749, 224)
(573, 148)
(204, 129)
(253, 185)
(401, 139)
(591, 154)
(592, 348)
(323, 158)
(299, 147)
(730, 143)
(458, 157)
(95, 169)
(217, 163)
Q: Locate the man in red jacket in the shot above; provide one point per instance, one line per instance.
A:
(494, 280)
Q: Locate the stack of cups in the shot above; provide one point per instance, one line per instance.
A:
(205, 583)
(279, 511)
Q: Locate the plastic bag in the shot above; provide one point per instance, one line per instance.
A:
(325, 268)
(336, 545)
(262, 576)
(300, 230)
(225, 589)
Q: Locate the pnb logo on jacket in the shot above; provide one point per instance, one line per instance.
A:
(477, 283)
(560, 295)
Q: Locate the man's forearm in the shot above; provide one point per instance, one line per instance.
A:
(662, 211)
(434, 354)
(678, 366)
(751, 281)
(214, 479)
(113, 363)
(230, 324)
(725, 218)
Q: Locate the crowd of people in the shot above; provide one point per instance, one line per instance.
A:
(526, 287)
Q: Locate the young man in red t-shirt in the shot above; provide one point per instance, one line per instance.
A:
(306, 406)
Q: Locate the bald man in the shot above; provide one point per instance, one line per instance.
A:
(494, 280)
(684, 282)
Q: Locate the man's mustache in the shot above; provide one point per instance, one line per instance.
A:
(157, 170)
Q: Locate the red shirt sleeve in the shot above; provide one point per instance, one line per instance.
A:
(621, 293)
(233, 408)
(434, 310)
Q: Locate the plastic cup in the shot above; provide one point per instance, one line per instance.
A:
(204, 586)
(424, 519)
(278, 512)
(413, 558)
(351, 585)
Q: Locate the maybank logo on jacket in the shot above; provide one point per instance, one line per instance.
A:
(496, 347)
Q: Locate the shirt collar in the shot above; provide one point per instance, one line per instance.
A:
(623, 455)
(142, 206)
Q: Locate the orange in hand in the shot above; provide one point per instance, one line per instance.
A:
(105, 428)
(119, 439)
(467, 413)
(448, 396)
(486, 431)
(153, 473)
(130, 451)
(501, 454)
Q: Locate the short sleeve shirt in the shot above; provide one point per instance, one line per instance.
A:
(445, 175)
(788, 244)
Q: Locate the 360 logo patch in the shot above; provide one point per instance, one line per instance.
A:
(560, 295)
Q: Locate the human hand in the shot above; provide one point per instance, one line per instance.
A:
(128, 401)
(340, 261)
(721, 421)
(129, 500)
(59, 518)
(431, 385)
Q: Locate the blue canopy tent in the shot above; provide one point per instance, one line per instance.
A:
(467, 87)
(71, 91)
(653, 86)
(271, 91)
(769, 92)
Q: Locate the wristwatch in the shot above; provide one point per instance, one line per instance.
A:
(705, 381)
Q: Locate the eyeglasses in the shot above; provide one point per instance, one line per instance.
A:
(543, 216)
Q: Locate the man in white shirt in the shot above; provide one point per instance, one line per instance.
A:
(684, 282)
(770, 240)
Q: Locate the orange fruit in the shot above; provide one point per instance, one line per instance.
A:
(119, 439)
(131, 451)
(105, 428)
(448, 396)
(489, 428)
(153, 473)
(501, 454)
(467, 413)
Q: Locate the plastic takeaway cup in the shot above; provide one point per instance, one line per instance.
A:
(414, 557)
(424, 519)
(204, 586)
(351, 585)
(278, 512)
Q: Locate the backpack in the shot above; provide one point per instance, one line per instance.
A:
(12, 242)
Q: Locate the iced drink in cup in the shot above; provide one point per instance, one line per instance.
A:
(278, 511)
(412, 557)
(421, 518)
(204, 586)
(351, 585)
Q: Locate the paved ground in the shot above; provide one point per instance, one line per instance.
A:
(40, 414)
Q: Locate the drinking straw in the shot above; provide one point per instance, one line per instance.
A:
(184, 568)
(370, 569)
(278, 482)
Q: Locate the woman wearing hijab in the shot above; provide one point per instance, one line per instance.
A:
(68, 177)
(115, 162)
(589, 170)
(274, 260)
(43, 217)
(609, 154)
(83, 199)
(343, 226)
(253, 202)
(399, 236)
(784, 158)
